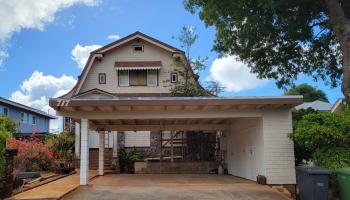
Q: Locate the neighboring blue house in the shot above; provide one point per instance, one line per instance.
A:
(27, 119)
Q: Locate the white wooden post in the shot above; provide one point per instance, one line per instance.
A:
(115, 144)
(84, 153)
(101, 153)
(77, 140)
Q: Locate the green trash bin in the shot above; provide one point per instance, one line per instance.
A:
(344, 182)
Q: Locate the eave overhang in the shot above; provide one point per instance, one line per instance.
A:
(256, 102)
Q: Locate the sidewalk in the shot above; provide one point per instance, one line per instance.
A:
(53, 190)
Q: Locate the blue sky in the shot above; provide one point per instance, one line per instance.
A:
(42, 42)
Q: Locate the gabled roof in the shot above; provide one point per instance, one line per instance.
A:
(26, 108)
(133, 36)
(316, 105)
(337, 105)
(98, 54)
(95, 91)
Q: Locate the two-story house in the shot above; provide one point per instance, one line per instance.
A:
(123, 99)
(27, 119)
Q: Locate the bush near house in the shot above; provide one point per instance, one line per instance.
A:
(127, 159)
(7, 127)
(325, 137)
(33, 154)
(62, 145)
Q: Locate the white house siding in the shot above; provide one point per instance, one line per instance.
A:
(94, 139)
(279, 150)
(137, 138)
(125, 53)
(245, 157)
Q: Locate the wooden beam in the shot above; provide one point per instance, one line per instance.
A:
(127, 114)
(174, 127)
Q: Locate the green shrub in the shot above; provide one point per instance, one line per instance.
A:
(326, 137)
(62, 145)
(7, 127)
(127, 159)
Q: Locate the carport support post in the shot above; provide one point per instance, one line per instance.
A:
(101, 153)
(77, 140)
(84, 152)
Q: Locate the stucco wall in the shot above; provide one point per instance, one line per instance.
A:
(125, 53)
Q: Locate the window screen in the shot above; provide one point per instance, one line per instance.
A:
(124, 78)
(152, 78)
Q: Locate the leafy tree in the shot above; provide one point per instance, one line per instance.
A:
(7, 127)
(189, 68)
(282, 39)
(309, 93)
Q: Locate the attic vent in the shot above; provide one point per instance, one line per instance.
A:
(138, 48)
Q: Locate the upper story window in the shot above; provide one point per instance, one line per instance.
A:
(123, 78)
(138, 78)
(138, 49)
(152, 77)
(33, 120)
(5, 111)
(173, 77)
(102, 78)
(23, 117)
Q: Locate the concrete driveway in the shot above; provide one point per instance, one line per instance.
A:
(173, 186)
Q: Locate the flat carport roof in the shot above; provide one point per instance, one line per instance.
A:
(168, 113)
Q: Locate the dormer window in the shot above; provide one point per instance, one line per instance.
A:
(138, 49)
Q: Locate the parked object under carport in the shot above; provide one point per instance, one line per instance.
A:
(312, 183)
(344, 182)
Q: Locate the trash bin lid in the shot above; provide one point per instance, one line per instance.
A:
(313, 170)
(344, 171)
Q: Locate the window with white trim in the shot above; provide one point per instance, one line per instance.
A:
(102, 78)
(123, 78)
(23, 117)
(138, 49)
(152, 78)
(137, 138)
(33, 120)
(173, 77)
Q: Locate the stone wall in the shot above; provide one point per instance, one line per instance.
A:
(175, 168)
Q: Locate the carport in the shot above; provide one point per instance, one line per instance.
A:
(254, 129)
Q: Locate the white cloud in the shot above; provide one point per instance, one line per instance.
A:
(113, 37)
(38, 88)
(18, 14)
(3, 56)
(234, 75)
(80, 54)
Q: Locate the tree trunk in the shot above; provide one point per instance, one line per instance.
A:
(340, 25)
